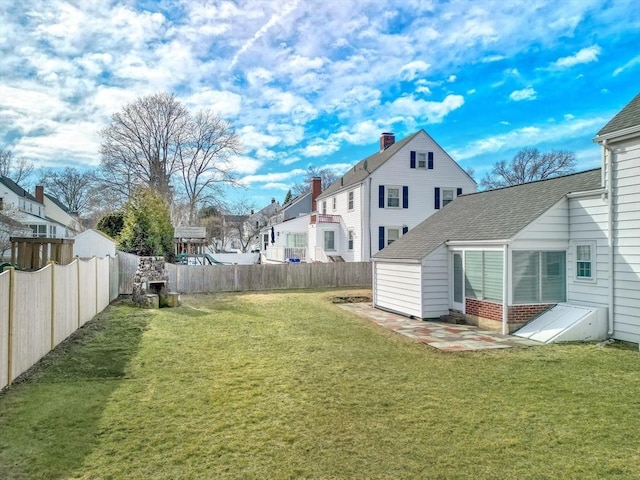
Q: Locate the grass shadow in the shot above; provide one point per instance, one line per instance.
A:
(53, 396)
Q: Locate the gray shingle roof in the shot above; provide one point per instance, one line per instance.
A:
(628, 117)
(17, 189)
(358, 173)
(60, 205)
(491, 215)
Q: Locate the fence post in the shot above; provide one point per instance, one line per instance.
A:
(78, 287)
(53, 303)
(10, 326)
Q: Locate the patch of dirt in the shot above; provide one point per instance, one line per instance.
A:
(352, 299)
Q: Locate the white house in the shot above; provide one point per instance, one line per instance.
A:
(58, 212)
(285, 237)
(545, 249)
(29, 210)
(93, 243)
(383, 197)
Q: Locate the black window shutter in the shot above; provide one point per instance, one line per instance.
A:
(405, 229)
(413, 159)
(381, 196)
(458, 192)
(405, 197)
(436, 199)
(430, 164)
(380, 238)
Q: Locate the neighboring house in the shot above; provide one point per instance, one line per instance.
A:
(504, 256)
(257, 221)
(30, 211)
(232, 234)
(93, 243)
(58, 212)
(383, 197)
(285, 238)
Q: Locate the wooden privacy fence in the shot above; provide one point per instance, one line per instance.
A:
(244, 278)
(38, 310)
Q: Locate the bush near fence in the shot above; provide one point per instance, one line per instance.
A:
(38, 310)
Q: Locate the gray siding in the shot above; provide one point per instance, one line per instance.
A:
(588, 223)
(397, 287)
(435, 283)
(626, 234)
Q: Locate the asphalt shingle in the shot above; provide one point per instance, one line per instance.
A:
(628, 117)
(492, 215)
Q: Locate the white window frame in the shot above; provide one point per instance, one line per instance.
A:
(442, 199)
(324, 241)
(387, 197)
(351, 236)
(351, 200)
(334, 203)
(324, 207)
(592, 261)
(387, 237)
(421, 157)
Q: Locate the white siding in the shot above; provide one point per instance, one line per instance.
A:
(91, 243)
(549, 231)
(588, 223)
(397, 287)
(626, 235)
(421, 182)
(435, 283)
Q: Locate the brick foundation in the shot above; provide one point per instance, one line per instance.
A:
(488, 315)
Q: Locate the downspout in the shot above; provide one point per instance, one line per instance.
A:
(608, 165)
(369, 217)
(505, 288)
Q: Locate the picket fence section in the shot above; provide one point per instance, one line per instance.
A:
(38, 310)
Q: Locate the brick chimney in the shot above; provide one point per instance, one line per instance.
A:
(40, 193)
(316, 189)
(386, 140)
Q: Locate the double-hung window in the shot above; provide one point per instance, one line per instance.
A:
(393, 197)
(585, 258)
(334, 203)
(350, 196)
(447, 196)
(350, 236)
(393, 234)
(422, 160)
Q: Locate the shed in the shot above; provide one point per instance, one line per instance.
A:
(92, 243)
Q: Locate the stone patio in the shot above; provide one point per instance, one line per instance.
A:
(443, 336)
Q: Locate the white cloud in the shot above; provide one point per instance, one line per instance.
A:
(630, 64)
(524, 94)
(530, 136)
(492, 58)
(244, 165)
(271, 177)
(433, 112)
(411, 70)
(452, 78)
(586, 55)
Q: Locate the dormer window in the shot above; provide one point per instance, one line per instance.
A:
(422, 160)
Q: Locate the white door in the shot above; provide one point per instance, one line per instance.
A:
(457, 301)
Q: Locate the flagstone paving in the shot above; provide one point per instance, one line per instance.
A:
(443, 336)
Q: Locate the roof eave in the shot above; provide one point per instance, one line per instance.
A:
(630, 131)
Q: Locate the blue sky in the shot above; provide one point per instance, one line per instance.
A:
(316, 82)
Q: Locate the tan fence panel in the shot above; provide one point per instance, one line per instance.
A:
(299, 275)
(102, 283)
(87, 290)
(65, 301)
(4, 328)
(323, 275)
(354, 274)
(114, 278)
(128, 264)
(32, 319)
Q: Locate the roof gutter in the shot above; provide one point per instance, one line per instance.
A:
(602, 139)
(456, 243)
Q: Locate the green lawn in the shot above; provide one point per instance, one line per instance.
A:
(288, 385)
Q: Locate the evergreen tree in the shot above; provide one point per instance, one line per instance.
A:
(111, 223)
(288, 197)
(147, 226)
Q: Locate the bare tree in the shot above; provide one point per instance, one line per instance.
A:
(327, 175)
(529, 165)
(204, 158)
(17, 169)
(71, 186)
(10, 226)
(142, 143)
